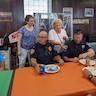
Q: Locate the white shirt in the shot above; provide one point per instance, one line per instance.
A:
(58, 37)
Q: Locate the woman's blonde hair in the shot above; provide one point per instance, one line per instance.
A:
(57, 21)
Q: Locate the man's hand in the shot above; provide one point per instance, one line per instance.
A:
(37, 68)
(61, 62)
(58, 59)
(75, 59)
(84, 55)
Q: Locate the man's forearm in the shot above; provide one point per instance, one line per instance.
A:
(34, 62)
(68, 59)
(57, 58)
(75, 59)
(90, 53)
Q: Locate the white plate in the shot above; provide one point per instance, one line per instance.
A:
(91, 69)
(51, 68)
(90, 62)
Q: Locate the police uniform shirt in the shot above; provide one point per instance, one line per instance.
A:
(74, 50)
(44, 54)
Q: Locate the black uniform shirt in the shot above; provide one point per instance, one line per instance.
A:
(74, 50)
(44, 54)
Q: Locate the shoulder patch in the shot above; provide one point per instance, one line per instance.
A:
(50, 48)
(32, 51)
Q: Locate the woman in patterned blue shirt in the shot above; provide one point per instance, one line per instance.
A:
(27, 39)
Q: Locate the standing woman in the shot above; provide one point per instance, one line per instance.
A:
(27, 34)
(58, 35)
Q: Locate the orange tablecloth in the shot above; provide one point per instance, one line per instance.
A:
(68, 82)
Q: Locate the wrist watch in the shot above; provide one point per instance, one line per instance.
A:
(90, 76)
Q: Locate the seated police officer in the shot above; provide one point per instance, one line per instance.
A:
(44, 52)
(77, 49)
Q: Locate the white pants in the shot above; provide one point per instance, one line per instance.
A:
(22, 57)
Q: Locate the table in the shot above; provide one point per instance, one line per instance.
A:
(68, 82)
(5, 82)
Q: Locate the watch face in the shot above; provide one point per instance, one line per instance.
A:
(83, 46)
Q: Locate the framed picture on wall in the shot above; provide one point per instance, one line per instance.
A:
(89, 12)
(6, 17)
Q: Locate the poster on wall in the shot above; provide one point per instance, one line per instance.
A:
(6, 17)
(81, 21)
(89, 12)
(68, 20)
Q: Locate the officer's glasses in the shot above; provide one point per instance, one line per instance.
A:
(43, 37)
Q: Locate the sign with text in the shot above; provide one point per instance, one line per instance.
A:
(5, 16)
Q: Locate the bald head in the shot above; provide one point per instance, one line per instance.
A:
(43, 37)
(43, 33)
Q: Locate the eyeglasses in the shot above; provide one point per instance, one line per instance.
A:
(42, 36)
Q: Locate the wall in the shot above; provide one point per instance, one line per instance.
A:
(16, 7)
(9, 24)
(78, 12)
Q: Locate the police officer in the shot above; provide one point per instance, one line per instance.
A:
(77, 49)
(44, 52)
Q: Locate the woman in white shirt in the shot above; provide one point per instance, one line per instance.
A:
(58, 35)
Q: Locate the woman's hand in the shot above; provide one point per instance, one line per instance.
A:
(62, 45)
(64, 38)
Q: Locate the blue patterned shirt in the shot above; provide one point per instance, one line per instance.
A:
(28, 38)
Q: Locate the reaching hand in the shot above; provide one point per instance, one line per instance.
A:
(76, 59)
(62, 45)
(65, 38)
(81, 56)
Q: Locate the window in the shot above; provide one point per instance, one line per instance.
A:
(37, 6)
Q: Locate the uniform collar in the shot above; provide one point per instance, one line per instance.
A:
(81, 43)
(42, 45)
